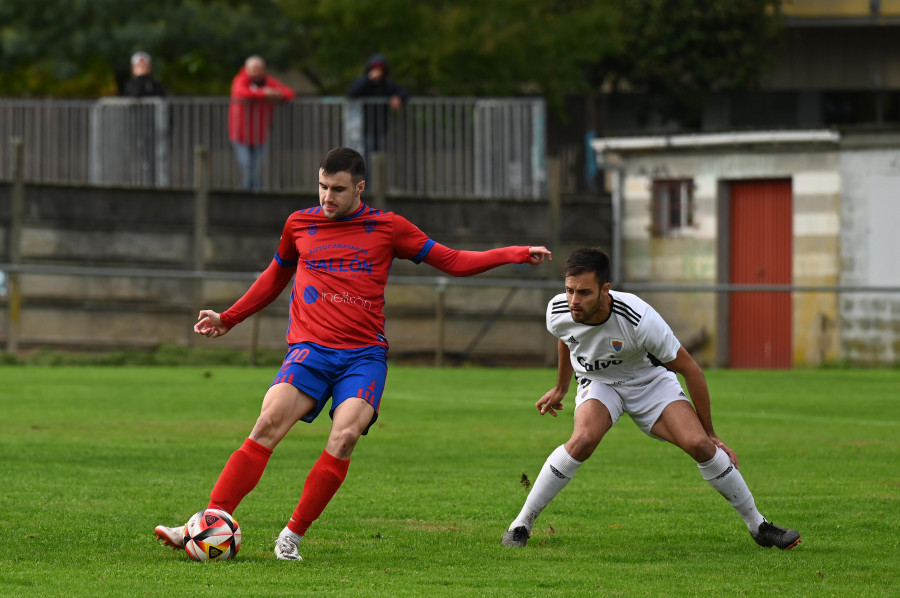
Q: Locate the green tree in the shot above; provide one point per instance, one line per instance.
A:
(678, 52)
(81, 48)
(672, 52)
(458, 47)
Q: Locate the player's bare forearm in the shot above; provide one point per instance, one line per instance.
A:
(551, 402)
(564, 369)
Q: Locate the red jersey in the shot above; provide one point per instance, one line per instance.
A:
(340, 269)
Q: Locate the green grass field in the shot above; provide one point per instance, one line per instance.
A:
(92, 458)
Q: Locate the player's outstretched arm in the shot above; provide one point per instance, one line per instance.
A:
(457, 262)
(210, 324)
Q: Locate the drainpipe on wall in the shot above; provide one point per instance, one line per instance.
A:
(618, 185)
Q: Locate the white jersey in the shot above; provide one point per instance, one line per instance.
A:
(627, 349)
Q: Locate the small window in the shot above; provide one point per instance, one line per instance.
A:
(672, 205)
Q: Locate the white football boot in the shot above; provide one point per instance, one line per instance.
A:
(286, 547)
(171, 536)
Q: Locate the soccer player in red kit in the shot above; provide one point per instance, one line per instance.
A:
(339, 255)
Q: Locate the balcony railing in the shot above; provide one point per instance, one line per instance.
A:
(431, 147)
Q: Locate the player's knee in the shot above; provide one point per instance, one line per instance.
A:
(341, 442)
(265, 424)
(582, 445)
(701, 448)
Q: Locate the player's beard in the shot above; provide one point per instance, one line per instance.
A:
(585, 316)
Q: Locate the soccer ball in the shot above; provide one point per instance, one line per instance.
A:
(212, 535)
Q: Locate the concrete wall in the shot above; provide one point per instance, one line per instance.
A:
(870, 213)
(152, 229)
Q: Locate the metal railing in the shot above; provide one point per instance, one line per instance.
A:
(432, 147)
(871, 340)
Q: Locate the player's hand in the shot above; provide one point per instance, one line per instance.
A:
(210, 324)
(538, 253)
(551, 402)
(731, 454)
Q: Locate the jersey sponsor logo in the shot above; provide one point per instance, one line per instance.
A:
(597, 364)
(339, 264)
(369, 226)
(311, 294)
(616, 344)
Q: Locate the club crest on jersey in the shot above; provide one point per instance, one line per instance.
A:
(617, 344)
(312, 229)
(368, 225)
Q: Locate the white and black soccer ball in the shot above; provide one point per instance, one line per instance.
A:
(212, 535)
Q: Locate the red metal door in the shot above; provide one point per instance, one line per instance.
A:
(761, 251)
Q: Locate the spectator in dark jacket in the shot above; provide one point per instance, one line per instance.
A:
(142, 83)
(376, 83)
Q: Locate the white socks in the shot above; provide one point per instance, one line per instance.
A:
(558, 469)
(722, 475)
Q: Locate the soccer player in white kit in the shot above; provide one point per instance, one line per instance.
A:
(625, 359)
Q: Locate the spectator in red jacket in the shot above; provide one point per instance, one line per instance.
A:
(253, 94)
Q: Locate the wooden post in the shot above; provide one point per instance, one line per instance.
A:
(17, 208)
(379, 188)
(554, 191)
(201, 220)
(254, 340)
(439, 322)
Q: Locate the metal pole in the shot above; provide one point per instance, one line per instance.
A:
(554, 192)
(439, 322)
(17, 200)
(201, 219)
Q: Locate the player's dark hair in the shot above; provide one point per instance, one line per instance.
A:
(344, 159)
(589, 259)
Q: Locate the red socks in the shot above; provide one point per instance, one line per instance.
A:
(245, 467)
(240, 475)
(320, 486)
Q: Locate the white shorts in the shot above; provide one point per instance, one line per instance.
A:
(643, 403)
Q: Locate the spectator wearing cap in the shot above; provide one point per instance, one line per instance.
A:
(253, 93)
(142, 83)
(376, 83)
